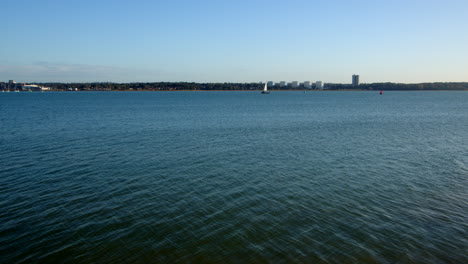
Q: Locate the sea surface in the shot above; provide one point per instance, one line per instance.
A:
(234, 177)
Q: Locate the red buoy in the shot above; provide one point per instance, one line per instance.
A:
(381, 91)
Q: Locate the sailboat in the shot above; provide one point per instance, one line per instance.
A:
(265, 89)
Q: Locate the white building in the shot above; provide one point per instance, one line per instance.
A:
(307, 85)
(294, 84)
(319, 85)
(33, 87)
(282, 84)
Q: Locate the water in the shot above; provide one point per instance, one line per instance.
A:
(234, 177)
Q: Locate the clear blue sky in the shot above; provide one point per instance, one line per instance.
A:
(234, 41)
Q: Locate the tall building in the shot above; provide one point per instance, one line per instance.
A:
(270, 83)
(294, 84)
(282, 83)
(318, 85)
(355, 80)
(307, 85)
(11, 85)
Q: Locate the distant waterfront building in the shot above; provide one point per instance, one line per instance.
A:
(307, 85)
(355, 80)
(319, 85)
(33, 87)
(294, 84)
(282, 84)
(12, 85)
(270, 83)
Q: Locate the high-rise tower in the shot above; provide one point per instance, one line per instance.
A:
(355, 80)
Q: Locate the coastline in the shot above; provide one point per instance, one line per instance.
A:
(243, 90)
(307, 91)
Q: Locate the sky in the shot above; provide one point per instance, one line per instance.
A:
(402, 41)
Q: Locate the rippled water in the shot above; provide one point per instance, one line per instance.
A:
(240, 177)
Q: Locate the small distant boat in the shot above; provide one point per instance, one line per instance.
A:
(265, 89)
(381, 91)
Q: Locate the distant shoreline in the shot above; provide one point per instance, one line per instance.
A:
(186, 86)
(285, 90)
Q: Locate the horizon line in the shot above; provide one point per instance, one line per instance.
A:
(299, 82)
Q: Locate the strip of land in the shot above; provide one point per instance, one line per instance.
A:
(191, 86)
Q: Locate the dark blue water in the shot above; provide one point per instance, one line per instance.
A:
(234, 177)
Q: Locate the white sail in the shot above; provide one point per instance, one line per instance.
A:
(266, 87)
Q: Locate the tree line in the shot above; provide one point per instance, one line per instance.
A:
(192, 86)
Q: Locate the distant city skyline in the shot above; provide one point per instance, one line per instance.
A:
(237, 41)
